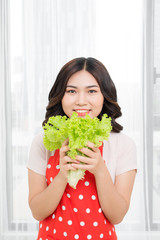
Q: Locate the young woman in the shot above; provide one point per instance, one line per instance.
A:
(102, 199)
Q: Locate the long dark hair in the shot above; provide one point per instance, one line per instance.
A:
(100, 73)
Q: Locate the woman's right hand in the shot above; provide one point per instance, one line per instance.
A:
(65, 161)
(43, 199)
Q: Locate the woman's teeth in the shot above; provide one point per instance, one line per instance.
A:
(82, 111)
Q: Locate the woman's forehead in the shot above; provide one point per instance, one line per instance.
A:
(82, 78)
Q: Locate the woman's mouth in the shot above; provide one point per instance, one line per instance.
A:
(82, 112)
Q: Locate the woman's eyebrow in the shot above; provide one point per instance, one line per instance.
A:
(90, 86)
(71, 86)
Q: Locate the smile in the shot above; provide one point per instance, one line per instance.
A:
(82, 110)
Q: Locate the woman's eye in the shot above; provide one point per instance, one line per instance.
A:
(92, 91)
(71, 91)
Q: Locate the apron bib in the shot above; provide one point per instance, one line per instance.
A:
(78, 215)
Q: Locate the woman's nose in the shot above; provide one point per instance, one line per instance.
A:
(81, 99)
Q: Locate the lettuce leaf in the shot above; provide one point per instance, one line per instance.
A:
(79, 131)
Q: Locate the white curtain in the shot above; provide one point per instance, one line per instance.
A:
(43, 35)
(122, 53)
(37, 38)
(4, 111)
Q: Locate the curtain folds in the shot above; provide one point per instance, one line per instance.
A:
(40, 36)
(5, 109)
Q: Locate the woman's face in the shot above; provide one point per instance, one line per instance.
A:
(83, 95)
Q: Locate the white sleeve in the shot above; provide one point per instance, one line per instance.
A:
(38, 156)
(127, 156)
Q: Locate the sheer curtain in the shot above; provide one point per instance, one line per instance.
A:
(5, 110)
(43, 36)
(123, 47)
(37, 38)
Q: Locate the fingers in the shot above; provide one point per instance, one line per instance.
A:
(89, 152)
(66, 164)
(67, 160)
(81, 166)
(89, 161)
(69, 166)
(65, 142)
(82, 159)
(84, 150)
(92, 146)
(64, 148)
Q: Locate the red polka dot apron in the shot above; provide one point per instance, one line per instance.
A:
(78, 215)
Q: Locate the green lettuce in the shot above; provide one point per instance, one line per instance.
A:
(79, 131)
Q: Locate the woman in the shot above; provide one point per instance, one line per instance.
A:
(102, 199)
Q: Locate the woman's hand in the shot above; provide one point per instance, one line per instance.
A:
(65, 162)
(93, 162)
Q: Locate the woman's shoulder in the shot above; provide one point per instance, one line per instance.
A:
(121, 138)
(38, 143)
(119, 142)
(38, 139)
(123, 144)
(38, 155)
(121, 148)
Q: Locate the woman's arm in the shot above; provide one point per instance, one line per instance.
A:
(43, 199)
(114, 198)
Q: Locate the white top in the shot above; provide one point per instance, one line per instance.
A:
(119, 153)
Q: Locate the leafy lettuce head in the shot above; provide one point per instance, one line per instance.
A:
(79, 131)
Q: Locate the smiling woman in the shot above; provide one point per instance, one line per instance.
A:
(91, 210)
(82, 98)
(81, 79)
(37, 38)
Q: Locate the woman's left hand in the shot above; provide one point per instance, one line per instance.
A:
(93, 162)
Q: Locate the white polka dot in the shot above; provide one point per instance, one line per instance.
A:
(101, 235)
(65, 234)
(88, 210)
(76, 236)
(86, 183)
(54, 231)
(63, 207)
(75, 209)
(47, 228)
(40, 239)
(68, 195)
(110, 233)
(93, 197)
(113, 229)
(53, 216)
(89, 236)
(60, 219)
(57, 167)
(49, 166)
(80, 196)
(105, 222)
(99, 210)
(69, 222)
(82, 223)
(95, 224)
(51, 179)
(41, 225)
